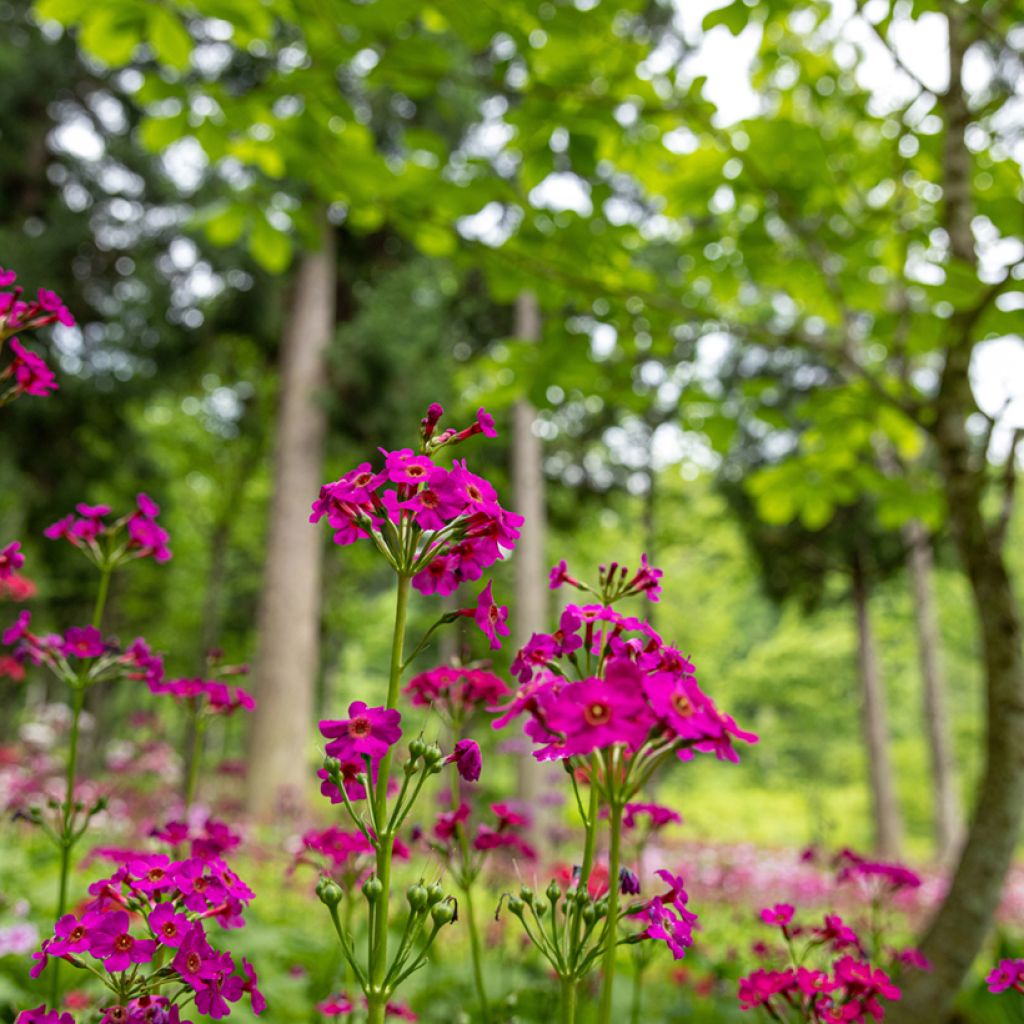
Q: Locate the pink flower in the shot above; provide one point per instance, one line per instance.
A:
(466, 757)
(780, 915)
(40, 1015)
(647, 580)
(659, 816)
(71, 934)
(11, 559)
(112, 942)
(405, 467)
(760, 987)
(1007, 974)
(256, 999)
(31, 375)
(83, 642)
(490, 617)
(367, 731)
(448, 822)
(337, 1006)
(169, 927)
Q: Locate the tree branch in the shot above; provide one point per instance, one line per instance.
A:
(1009, 489)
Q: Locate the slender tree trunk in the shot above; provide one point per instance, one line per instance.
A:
(959, 928)
(888, 821)
(531, 589)
(947, 812)
(289, 615)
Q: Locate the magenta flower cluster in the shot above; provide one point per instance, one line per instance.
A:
(845, 989)
(456, 692)
(27, 372)
(151, 918)
(631, 689)
(443, 526)
(87, 527)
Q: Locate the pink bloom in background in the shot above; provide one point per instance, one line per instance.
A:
(367, 731)
(657, 815)
(17, 587)
(466, 758)
(31, 375)
(11, 559)
(455, 690)
(1006, 975)
(84, 527)
(780, 915)
(83, 642)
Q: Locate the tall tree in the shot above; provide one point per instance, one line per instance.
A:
(287, 662)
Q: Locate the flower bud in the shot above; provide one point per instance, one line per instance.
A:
(582, 897)
(328, 892)
(372, 888)
(553, 893)
(540, 907)
(417, 748)
(515, 905)
(588, 913)
(526, 894)
(434, 894)
(433, 755)
(417, 897)
(442, 913)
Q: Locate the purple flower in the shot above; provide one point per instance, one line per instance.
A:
(490, 617)
(168, 927)
(112, 942)
(780, 915)
(83, 642)
(11, 559)
(220, 988)
(629, 884)
(40, 1015)
(367, 731)
(31, 375)
(195, 960)
(256, 1000)
(1007, 974)
(467, 759)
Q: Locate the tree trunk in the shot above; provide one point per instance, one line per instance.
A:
(888, 821)
(959, 928)
(288, 653)
(531, 590)
(947, 812)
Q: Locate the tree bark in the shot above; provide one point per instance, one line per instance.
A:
(959, 928)
(888, 821)
(946, 801)
(531, 590)
(289, 614)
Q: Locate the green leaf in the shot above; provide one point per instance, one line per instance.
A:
(270, 248)
(67, 12)
(157, 133)
(169, 38)
(112, 32)
(226, 224)
(733, 16)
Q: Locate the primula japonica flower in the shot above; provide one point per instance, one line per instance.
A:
(1007, 974)
(153, 904)
(11, 559)
(877, 877)
(441, 526)
(656, 815)
(615, 581)
(367, 732)
(839, 992)
(491, 617)
(455, 691)
(104, 543)
(208, 695)
(84, 644)
(483, 838)
(40, 1015)
(780, 915)
(466, 757)
(16, 587)
(341, 1006)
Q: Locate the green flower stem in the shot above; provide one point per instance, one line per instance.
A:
(377, 995)
(198, 735)
(638, 986)
(477, 955)
(568, 1001)
(67, 837)
(611, 922)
